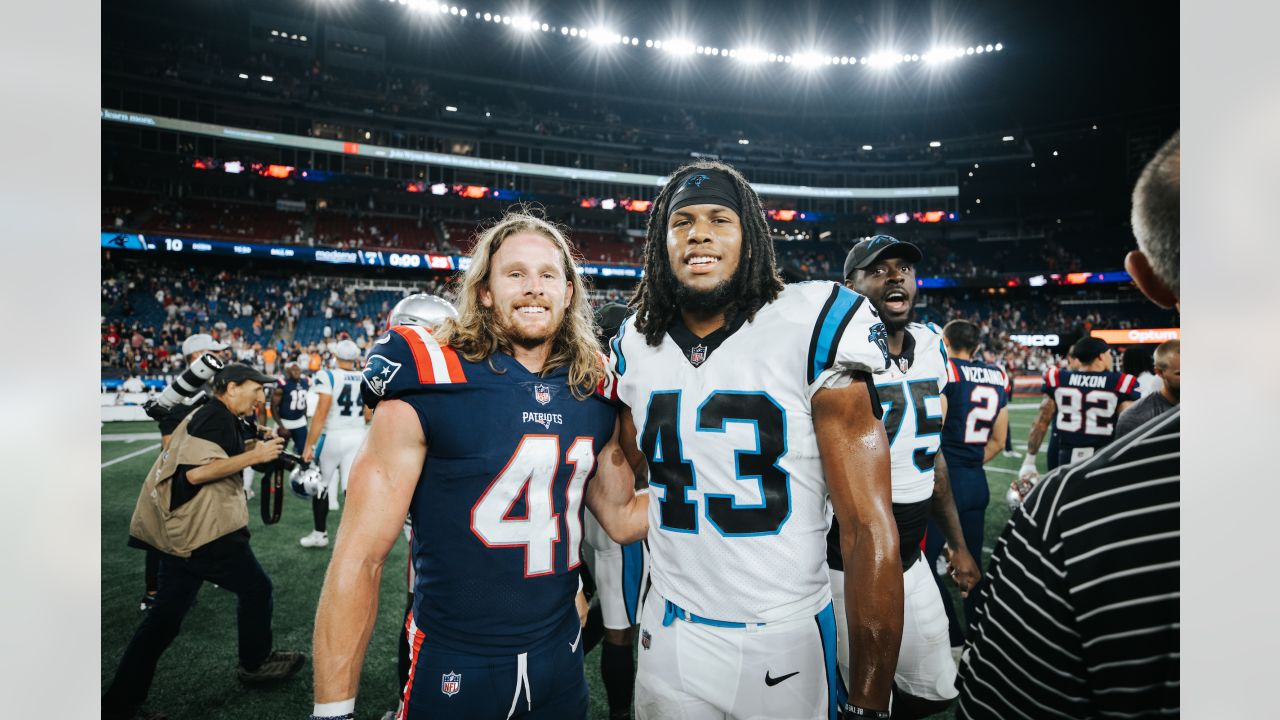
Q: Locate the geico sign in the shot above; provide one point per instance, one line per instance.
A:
(1036, 340)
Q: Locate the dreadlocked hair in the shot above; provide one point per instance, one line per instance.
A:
(476, 333)
(655, 298)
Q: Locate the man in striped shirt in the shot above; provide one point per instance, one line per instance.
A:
(1080, 617)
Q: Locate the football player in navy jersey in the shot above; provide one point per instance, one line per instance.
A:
(975, 430)
(289, 406)
(1083, 404)
(490, 434)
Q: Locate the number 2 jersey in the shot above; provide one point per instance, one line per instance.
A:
(738, 509)
(975, 394)
(497, 512)
(347, 411)
(1088, 406)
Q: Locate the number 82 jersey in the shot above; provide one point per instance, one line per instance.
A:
(739, 508)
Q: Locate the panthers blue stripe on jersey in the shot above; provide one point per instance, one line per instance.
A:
(975, 393)
(1088, 405)
(497, 512)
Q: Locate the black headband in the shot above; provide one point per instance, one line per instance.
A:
(705, 187)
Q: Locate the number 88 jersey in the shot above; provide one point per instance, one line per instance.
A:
(739, 509)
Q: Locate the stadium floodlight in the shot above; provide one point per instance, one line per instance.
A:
(648, 43)
(506, 19)
(564, 30)
(862, 60)
(679, 46)
(999, 47)
(1055, 153)
(303, 38)
(573, 32)
(522, 23)
(488, 17)
(268, 78)
(453, 9)
(1033, 164)
(450, 108)
(635, 42)
(752, 55)
(990, 48)
(968, 51)
(935, 143)
(1007, 138)
(463, 12)
(979, 50)
(867, 147)
(743, 141)
(808, 60)
(244, 76)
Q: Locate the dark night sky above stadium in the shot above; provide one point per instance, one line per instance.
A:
(1062, 62)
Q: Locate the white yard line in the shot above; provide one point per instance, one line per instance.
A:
(130, 437)
(133, 454)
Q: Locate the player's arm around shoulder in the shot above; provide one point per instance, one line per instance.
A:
(383, 478)
(855, 459)
(611, 495)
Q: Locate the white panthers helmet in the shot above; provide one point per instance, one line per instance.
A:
(421, 309)
(308, 483)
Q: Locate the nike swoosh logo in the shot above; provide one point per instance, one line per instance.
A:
(573, 646)
(771, 681)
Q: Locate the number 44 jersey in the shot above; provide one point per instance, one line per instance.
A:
(739, 509)
(497, 512)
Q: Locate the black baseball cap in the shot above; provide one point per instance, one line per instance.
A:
(239, 372)
(871, 249)
(1088, 349)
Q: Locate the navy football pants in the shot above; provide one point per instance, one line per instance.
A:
(969, 487)
(547, 683)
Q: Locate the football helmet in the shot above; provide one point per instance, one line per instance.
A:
(308, 483)
(421, 309)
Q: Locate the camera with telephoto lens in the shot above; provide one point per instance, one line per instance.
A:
(187, 385)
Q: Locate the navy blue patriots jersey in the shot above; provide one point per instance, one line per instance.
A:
(975, 393)
(294, 404)
(497, 513)
(1088, 405)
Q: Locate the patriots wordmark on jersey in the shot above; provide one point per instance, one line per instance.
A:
(739, 498)
(497, 513)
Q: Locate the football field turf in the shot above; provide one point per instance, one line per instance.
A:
(196, 676)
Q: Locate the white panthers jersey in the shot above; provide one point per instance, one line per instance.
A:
(912, 402)
(739, 510)
(347, 410)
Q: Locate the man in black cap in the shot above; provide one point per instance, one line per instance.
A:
(1083, 404)
(883, 270)
(192, 510)
(755, 406)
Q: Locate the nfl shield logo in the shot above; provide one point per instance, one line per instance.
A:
(698, 354)
(542, 393)
(645, 638)
(903, 365)
(450, 683)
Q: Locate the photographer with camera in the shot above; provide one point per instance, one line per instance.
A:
(192, 510)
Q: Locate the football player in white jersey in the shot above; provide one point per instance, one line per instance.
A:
(882, 269)
(335, 434)
(747, 403)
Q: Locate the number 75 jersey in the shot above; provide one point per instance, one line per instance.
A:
(739, 509)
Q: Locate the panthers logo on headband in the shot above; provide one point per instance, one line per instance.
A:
(696, 180)
(378, 373)
(880, 337)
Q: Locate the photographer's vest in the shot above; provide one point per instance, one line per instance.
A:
(217, 509)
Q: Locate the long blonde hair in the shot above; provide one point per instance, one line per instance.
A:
(476, 333)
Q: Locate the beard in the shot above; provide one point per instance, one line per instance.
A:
(529, 338)
(714, 299)
(894, 326)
